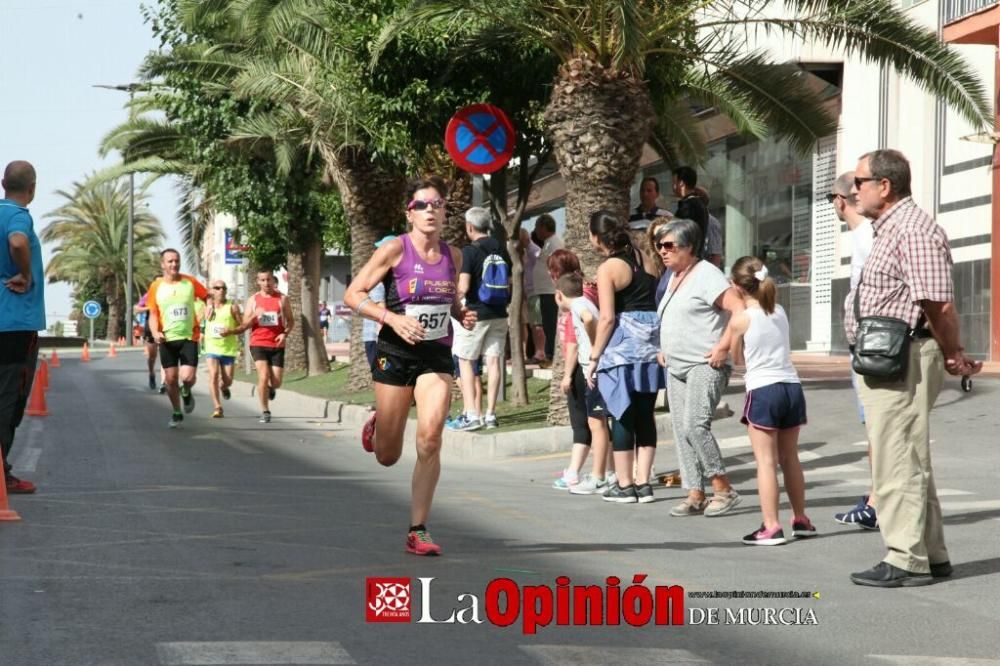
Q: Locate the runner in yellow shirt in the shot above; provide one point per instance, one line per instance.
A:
(174, 325)
(222, 343)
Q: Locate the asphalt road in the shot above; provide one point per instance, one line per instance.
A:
(229, 542)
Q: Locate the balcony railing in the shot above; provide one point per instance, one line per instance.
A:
(956, 9)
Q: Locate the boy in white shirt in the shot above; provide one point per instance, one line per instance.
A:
(588, 413)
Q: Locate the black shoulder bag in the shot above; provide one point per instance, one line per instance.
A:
(882, 349)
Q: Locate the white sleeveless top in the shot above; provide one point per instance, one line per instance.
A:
(767, 350)
(582, 339)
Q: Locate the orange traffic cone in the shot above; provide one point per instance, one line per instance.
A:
(43, 374)
(111, 352)
(6, 513)
(85, 357)
(55, 359)
(36, 403)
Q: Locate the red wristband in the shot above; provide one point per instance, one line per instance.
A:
(381, 320)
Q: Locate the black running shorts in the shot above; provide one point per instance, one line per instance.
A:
(273, 356)
(179, 352)
(401, 371)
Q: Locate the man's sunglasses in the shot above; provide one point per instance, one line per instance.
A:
(666, 245)
(424, 204)
(858, 182)
(222, 288)
(832, 196)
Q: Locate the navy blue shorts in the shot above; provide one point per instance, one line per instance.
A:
(477, 366)
(775, 407)
(596, 409)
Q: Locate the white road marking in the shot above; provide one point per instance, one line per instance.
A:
(734, 442)
(574, 655)
(949, 492)
(28, 461)
(861, 443)
(262, 652)
(29, 449)
(972, 505)
(836, 469)
(864, 482)
(806, 456)
(918, 660)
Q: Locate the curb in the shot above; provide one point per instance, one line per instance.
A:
(464, 446)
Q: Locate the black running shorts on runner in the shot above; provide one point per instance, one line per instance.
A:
(273, 356)
(147, 335)
(179, 352)
(401, 371)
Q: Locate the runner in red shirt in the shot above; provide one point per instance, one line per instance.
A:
(269, 318)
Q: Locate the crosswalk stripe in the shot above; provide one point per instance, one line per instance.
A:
(971, 505)
(252, 653)
(574, 655)
(917, 660)
(949, 492)
(734, 442)
(835, 469)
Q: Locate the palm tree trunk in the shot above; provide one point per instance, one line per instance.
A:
(295, 346)
(558, 405)
(111, 292)
(518, 378)
(373, 202)
(459, 201)
(318, 359)
(598, 120)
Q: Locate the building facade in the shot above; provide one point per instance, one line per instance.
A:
(771, 199)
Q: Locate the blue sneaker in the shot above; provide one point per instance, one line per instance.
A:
(463, 423)
(863, 515)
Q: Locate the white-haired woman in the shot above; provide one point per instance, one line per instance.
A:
(694, 314)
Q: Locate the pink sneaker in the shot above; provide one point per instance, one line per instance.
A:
(368, 434)
(766, 537)
(420, 543)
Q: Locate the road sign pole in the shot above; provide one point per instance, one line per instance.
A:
(91, 331)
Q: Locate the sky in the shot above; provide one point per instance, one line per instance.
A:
(53, 53)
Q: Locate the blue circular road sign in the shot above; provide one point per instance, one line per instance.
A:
(480, 138)
(91, 309)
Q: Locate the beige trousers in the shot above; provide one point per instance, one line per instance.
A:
(898, 422)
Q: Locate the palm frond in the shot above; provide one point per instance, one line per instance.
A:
(879, 32)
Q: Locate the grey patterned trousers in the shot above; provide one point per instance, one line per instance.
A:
(692, 404)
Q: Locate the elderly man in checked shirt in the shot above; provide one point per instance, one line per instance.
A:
(908, 274)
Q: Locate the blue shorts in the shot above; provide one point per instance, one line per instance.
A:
(775, 407)
(221, 358)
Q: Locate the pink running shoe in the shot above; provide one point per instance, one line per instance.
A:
(420, 543)
(368, 434)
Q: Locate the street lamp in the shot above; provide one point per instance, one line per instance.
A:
(130, 88)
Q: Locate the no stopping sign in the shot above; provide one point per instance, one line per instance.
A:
(480, 138)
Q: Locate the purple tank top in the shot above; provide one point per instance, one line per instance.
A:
(425, 291)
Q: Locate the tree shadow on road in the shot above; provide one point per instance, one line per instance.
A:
(971, 517)
(976, 568)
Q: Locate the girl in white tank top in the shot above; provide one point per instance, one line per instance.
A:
(775, 406)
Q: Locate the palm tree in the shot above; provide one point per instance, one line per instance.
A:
(156, 146)
(629, 67)
(91, 232)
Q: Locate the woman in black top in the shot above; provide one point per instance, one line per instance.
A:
(624, 356)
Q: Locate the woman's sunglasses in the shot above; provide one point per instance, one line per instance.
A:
(666, 245)
(424, 204)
